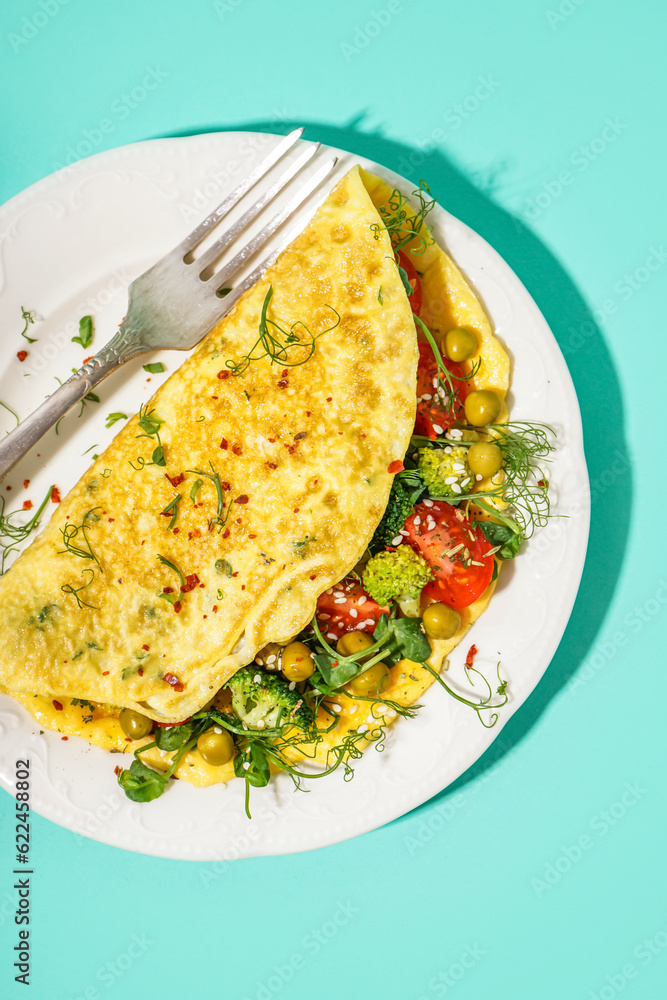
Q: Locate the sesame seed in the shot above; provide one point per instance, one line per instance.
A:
(478, 477)
(217, 729)
(362, 599)
(450, 479)
(397, 540)
(404, 532)
(435, 383)
(353, 613)
(427, 395)
(458, 467)
(336, 707)
(331, 635)
(456, 487)
(455, 433)
(391, 714)
(353, 709)
(246, 764)
(325, 617)
(369, 622)
(261, 724)
(437, 428)
(272, 658)
(257, 679)
(448, 451)
(340, 600)
(363, 728)
(292, 685)
(427, 503)
(418, 520)
(465, 481)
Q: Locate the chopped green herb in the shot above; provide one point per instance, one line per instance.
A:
(172, 508)
(155, 368)
(113, 418)
(28, 319)
(380, 297)
(222, 566)
(171, 565)
(85, 337)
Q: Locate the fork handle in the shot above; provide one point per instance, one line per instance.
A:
(18, 442)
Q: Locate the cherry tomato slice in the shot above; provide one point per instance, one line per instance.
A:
(462, 576)
(431, 413)
(415, 299)
(347, 608)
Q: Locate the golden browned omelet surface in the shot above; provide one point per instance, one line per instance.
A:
(301, 455)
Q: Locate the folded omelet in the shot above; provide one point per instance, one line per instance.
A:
(301, 457)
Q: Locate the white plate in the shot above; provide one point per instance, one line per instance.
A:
(70, 245)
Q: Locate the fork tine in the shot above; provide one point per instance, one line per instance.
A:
(220, 277)
(209, 257)
(263, 167)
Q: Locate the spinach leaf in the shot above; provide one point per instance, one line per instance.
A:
(337, 670)
(410, 639)
(508, 535)
(141, 783)
(172, 737)
(258, 773)
(404, 278)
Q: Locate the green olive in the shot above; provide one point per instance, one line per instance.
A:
(216, 746)
(459, 343)
(352, 643)
(371, 681)
(441, 621)
(482, 407)
(134, 724)
(485, 459)
(297, 662)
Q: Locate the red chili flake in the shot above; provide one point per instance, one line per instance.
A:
(313, 577)
(334, 663)
(272, 440)
(204, 616)
(117, 769)
(237, 450)
(55, 494)
(105, 673)
(64, 738)
(173, 680)
(224, 445)
(176, 531)
(395, 466)
(89, 358)
(284, 372)
(271, 465)
(242, 499)
(470, 658)
(290, 448)
(282, 384)
(146, 647)
(243, 586)
(252, 536)
(167, 590)
(57, 705)
(307, 413)
(239, 520)
(226, 533)
(191, 582)
(27, 504)
(236, 573)
(214, 609)
(26, 484)
(176, 480)
(140, 671)
(223, 375)
(194, 534)
(21, 355)
(224, 485)
(8, 488)
(329, 398)
(111, 520)
(215, 397)
(177, 609)
(301, 434)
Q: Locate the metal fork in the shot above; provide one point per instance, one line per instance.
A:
(176, 301)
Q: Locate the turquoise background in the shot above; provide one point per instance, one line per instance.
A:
(542, 871)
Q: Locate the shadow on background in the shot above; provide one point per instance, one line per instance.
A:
(592, 371)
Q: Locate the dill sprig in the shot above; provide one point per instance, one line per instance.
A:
(404, 226)
(67, 588)
(219, 519)
(11, 534)
(75, 537)
(276, 343)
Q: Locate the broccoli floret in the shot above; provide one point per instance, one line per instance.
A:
(398, 510)
(402, 573)
(259, 698)
(446, 471)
